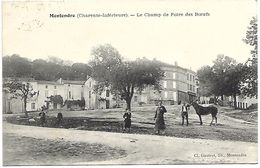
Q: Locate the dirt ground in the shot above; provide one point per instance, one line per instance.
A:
(233, 126)
(139, 149)
(32, 151)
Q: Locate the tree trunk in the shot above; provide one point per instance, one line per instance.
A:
(25, 105)
(128, 104)
(235, 101)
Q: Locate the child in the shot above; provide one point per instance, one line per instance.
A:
(127, 117)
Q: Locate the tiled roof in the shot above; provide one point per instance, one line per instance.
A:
(163, 64)
(48, 82)
(73, 82)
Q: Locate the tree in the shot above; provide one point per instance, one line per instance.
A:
(205, 78)
(22, 90)
(222, 65)
(81, 71)
(232, 81)
(250, 79)
(56, 99)
(123, 77)
(55, 60)
(51, 69)
(43, 70)
(223, 78)
(16, 66)
(252, 38)
(82, 103)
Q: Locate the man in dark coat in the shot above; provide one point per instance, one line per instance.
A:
(42, 117)
(127, 117)
(59, 119)
(159, 119)
(184, 113)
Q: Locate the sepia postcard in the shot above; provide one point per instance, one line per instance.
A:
(140, 82)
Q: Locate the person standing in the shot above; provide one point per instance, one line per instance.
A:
(184, 113)
(59, 119)
(159, 119)
(127, 116)
(42, 117)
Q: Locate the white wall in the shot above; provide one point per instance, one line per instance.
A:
(245, 102)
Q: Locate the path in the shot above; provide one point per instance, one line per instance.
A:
(148, 149)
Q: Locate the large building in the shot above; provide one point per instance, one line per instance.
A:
(68, 90)
(177, 85)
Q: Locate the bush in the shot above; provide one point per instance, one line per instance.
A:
(141, 103)
(253, 106)
(211, 100)
(57, 99)
(72, 104)
(116, 106)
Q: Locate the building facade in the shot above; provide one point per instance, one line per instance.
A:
(243, 102)
(104, 100)
(178, 85)
(68, 90)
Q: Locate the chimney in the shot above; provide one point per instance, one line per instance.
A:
(60, 81)
(175, 63)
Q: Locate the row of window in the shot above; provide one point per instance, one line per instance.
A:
(46, 86)
(107, 93)
(166, 85)
(166, 95)
(47, 93)
(190, 77)
(171, 75)
(173, 84)
(191, 87)
(170, 94)
(55, 93)
(55, 87)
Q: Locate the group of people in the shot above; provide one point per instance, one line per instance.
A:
(159, 117)
(43, 120)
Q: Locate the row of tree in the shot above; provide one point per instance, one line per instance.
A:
(229, 78)
(51, 69)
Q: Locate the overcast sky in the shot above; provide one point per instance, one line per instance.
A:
(191, 41)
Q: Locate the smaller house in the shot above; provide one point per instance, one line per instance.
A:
(104, 100)
(72, 93)
(14, 104)
(243, 102)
